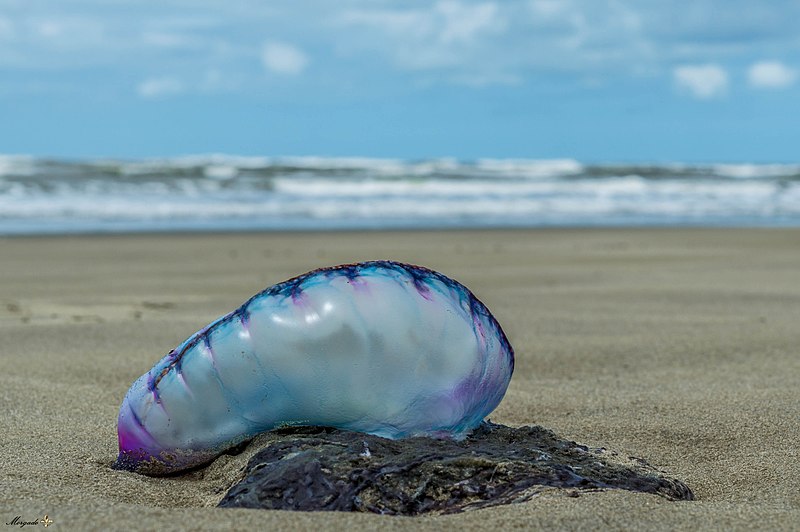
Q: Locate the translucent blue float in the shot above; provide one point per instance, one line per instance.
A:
(379, 347)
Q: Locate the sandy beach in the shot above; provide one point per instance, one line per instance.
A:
(679, 346)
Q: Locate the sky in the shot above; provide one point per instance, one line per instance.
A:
(593, 80)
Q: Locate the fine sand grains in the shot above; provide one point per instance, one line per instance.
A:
(679, 346)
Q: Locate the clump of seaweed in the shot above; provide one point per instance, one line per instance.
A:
(320, 468)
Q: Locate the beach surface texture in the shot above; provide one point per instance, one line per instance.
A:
(678, 346)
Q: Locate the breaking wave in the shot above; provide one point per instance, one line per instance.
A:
(39, 195)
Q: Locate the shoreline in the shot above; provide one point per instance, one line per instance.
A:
(202, 231)
(675, 345)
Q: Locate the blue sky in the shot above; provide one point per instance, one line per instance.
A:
(595, 80)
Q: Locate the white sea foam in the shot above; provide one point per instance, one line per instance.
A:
(756, 171)
(220, 191)
(220, 171)
(321, 188)
(17, 165)
(531, 168)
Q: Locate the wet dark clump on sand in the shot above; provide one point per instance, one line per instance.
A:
(317, 468)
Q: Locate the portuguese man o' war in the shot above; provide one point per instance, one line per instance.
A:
(379, 347)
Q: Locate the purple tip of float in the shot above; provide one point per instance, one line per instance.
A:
(244, 317)
(135, 442)
(296, 293)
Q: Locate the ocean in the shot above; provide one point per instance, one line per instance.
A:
(222, 192)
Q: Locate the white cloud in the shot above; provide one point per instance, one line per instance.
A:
(70, 32)
(459, 40)
(6, 28)
(480, 42)
(164, 39)
(444, 22)
(159, 87)
(702, 81)
(771, 75)
(492, 42)
(50, 28)
(283, 58)
(462, 23)
(548, 8)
